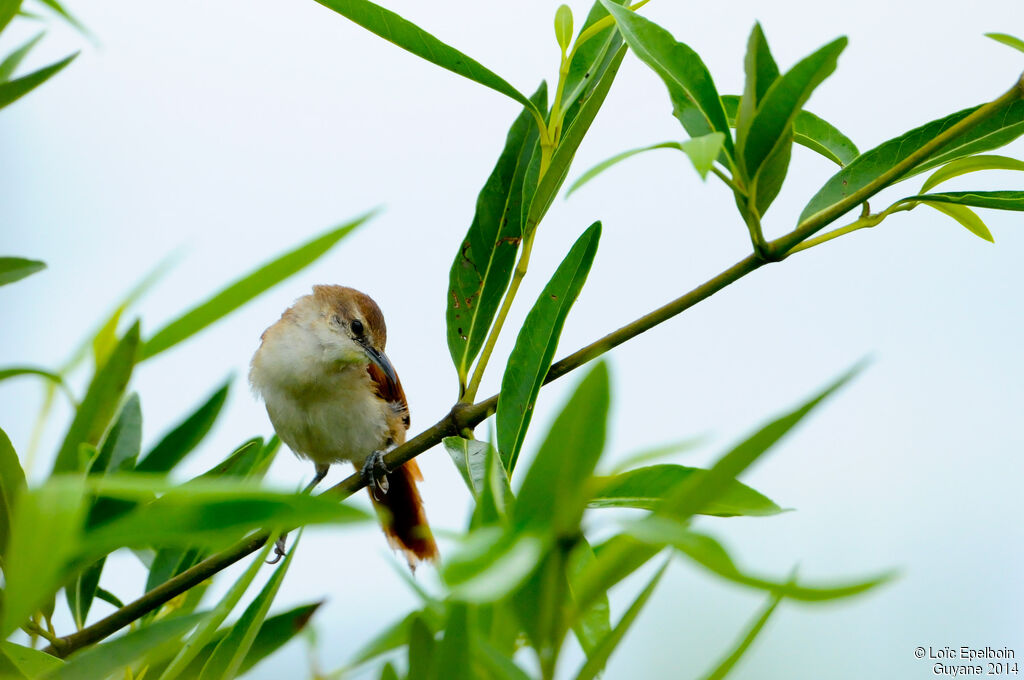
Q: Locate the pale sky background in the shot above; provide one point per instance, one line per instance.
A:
(237, 129)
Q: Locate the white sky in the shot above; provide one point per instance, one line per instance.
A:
(238, 129)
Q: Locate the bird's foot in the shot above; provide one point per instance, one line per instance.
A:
(279, 549)
(375, 473)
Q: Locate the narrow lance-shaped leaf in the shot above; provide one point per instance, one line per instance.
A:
(470, 458)
(592, 624)
(680, 68)
(483, 266)
(454, 653)
(248, 287)
(810, 131)
(180, 441)
(102, 660)
(555, 489)
(598, 658)
(965, 216)
(45, 529)
(585, 65)
(421, 647)
(782, 102)
(1004, 123)
(970, 164)
(491, 563)
(100, 402)
(12, 90)
(60, 10)
(228, 657)
(614, 160)
(18, 662)
(697, 492)
(708, 553)
(997, 200)
(206, 631)
(8, 10)
(647, 487)
(17, 371)
(562, 158)
(16, 268)
(760, 72)
(535, 346)
(726, 665)
(412, 38)
(1007, 39)
(12, 483)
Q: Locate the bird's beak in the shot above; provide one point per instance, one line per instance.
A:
(381, 359)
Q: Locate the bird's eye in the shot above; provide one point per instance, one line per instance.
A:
(357, 327)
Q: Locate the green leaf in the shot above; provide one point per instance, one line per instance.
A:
(1006, 39)
(616, 559)
(563, 26)
(617, 158)
(680, 68)
(470, 458)
(810, 131)
(388, 672)
(414, 39)
(491, 563)
(118, 453)
(67, 16)
(647, 487)
(594, 623)
(12, 90)
(101, 660)
(699, 491)
(997, 200)
(500, 666)
(598, 659)
(109, 598)
(970, 164)
(1004, 125)
(11, 62)
(536, 344)
(17, 371)
(703, 151)
(483, 266)
(25, 662)
(245, 289)
(100, 402)
(561, 159)
(761, 72)
(780, 105)
(208, 628)
(726, 665)
(16, 268)
(453, 659)
(708, 553)
(205, 513)
(421, 647)
(554, 493)
(496, 499)
(654, 453)
(12, 484)
(45, 529)
(965, 216)
(591, 58)
(180, 441)
(396, 635)
(227, 659)
(8, 10)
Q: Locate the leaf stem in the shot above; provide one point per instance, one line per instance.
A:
(863, 222)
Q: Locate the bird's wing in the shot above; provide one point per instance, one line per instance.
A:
(390, 392)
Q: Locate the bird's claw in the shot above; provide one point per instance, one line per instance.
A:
(279, 549)
(375, 474)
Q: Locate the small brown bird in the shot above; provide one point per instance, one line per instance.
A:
(332, 396)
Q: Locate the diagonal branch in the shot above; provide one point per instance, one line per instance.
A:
(460, 417)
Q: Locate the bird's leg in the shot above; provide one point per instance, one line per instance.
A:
(282, 540)
(375, 472)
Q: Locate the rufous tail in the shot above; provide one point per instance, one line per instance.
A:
(402, 517)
